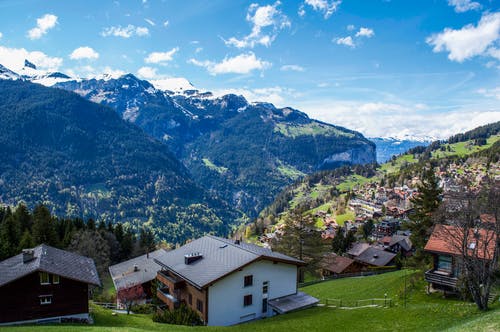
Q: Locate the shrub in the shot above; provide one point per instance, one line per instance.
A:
(143, 309)
(180, 316)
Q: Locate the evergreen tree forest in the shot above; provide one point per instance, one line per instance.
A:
(106, 243)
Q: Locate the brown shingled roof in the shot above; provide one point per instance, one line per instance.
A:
(448, 239)
(336, 264)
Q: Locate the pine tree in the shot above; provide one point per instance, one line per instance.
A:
(147, 240)
(26, 241)
(44, 230)
(23, 215)
(425, 203)
(10, 233)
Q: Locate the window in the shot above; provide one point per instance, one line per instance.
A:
(55, 279)
(247, 300)
(44, 278)
(264, 305)
(248, 281)
(45, 299)
(190, 299)
(265, 287)
(444, 263)
(199, 305)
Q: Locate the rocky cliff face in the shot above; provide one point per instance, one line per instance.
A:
(360, 155)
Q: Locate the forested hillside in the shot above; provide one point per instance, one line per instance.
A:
(82, 160)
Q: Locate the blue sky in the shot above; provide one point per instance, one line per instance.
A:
(385, 68)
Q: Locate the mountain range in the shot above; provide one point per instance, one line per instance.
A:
(245, 152)
(183, 160)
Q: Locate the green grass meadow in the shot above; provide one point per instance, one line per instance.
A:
(422, 312)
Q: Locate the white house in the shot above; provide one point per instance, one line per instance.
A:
(229, 282)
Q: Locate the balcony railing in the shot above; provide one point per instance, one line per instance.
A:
(171, 281)
(167, 298)
(439, 278)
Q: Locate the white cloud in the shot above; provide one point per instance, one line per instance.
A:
(13, 58)
(84, 52)
(350, 41)
(150, 22)
(1, 35)
(268, 18)
(378, 119)
(347, 41)
(351, 27)
(158, 57)
(491, 93)
(292, 68)
(147, 73)
(125, 32)
(276, 95)
(240, 64)
(89, 71)
(43, 25)
(301, 11)
(166, 23)
(470, 41)
(327, 7)
(462, 6)
(365, 32)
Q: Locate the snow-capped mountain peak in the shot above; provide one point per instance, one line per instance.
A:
(7, 74)
(177, 85)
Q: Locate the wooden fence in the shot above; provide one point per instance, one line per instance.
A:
(349, 275)
(106, 305)
(342, 303)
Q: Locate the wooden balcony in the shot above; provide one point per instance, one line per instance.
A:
(167, 298)
(441, 279)
(172, 282)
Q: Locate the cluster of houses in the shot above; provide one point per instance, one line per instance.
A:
(225, 282)
(364, 257)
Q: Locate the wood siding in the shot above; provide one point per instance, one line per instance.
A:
(181, 289)
(20, 299)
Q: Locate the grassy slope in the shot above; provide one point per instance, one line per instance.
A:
(423, 312)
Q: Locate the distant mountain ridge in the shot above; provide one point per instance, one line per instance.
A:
(245, 152)
(388, 147)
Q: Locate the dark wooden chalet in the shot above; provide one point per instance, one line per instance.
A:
(45, 284)
(333, 265)
(445, 245)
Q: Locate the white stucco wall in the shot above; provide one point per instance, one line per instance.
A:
(225, 298)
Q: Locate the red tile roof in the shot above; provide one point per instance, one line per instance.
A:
(448, 239)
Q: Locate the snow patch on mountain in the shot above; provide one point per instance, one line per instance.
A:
(177, 85)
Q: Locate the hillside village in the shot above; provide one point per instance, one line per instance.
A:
(218, 281)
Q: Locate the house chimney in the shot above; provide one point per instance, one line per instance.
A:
(28, 255)
(192, 257)
(136, 268)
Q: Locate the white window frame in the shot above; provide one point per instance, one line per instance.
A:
(48, 278)
(45, 299)
(56, 279)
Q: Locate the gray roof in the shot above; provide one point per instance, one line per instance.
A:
(124, 275)
(293, 302)
(52, 260)
(220, 257)
(357, 248)
(404, 241)
(375, 256)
